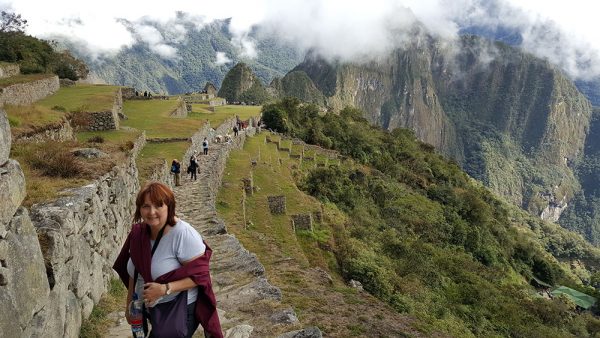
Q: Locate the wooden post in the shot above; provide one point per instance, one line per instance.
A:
(244, 208)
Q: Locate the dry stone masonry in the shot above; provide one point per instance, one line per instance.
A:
(8, 70)
(101, 120)
(62, 131)
(302, 222)
(22, 94)
(277, 204)
(55, 260)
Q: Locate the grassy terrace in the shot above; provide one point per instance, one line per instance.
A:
(9, 81)
(289, 258)
(82, 97)
(222, 113)
(153, 117)
(23, 119)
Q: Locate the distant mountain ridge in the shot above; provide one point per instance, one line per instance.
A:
(139, 67)
(513, 121)
(511, 36)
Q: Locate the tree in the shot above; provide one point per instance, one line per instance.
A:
(12, 22)
(69, 67)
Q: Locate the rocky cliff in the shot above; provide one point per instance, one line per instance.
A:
(242, 85)
(511, 120)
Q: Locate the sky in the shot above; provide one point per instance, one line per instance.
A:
(565, 32)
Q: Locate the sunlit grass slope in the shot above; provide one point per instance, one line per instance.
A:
(82, 98)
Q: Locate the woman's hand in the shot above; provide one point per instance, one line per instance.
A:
(153, 291)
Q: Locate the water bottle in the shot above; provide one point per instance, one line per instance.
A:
(136, 317)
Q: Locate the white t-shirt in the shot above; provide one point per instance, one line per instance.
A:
(178, 245)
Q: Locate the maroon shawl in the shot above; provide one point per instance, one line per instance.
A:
(137, 246)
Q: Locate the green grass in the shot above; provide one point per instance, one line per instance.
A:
(271, 179)
(113, 136)
(9, 81)
(32, 117)
(153, 117)
(98, 322)
(222, 113)
(153, 154)
(82, 97)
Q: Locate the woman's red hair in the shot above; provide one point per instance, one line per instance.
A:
(159, 194)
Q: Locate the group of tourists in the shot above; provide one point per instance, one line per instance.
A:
(193, 166)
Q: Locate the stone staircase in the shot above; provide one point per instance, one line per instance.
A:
(248, 305)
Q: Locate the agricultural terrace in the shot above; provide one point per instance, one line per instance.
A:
(221, 113)
(291, 258)
(9, 81)
(81, 98)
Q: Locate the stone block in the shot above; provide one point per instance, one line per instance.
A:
(248, 185)
(318, 216)
(302, 222)
(277, 204)
(24, 287)
(12, 189)
(5, 137)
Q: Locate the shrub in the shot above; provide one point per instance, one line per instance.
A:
(96, 139)
(126, 146)
(55, 161)
(60, 108)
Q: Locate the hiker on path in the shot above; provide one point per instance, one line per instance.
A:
(176, 171)
(205, 146)
(173, 277)
(193, 167)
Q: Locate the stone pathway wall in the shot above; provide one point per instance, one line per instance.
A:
(248, 305)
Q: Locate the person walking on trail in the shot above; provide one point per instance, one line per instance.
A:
(165, 262)
(205, 146)
(176, 171)
(193, 168)
(235, 130)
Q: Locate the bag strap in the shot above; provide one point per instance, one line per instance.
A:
(135, 277)
(158, 237)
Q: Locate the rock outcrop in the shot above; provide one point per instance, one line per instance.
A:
(242, 85)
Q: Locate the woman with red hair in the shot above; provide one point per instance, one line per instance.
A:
(165, 262)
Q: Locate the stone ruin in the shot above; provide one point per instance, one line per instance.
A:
(302, 222)
(277, 204)
(249, 185)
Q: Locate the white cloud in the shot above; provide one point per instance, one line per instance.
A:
(337, 28)
(222, 59)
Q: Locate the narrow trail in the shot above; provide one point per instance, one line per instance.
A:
(247, 303)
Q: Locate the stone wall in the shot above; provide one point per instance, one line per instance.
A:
(217, 102)
(8, 70)
(101, 120)
(56, 259)
(23, 282)
(127, 92)
(62, 131)
(302, 222)
(29, 92)
(162, 173)
(277, 204)
(181, 110)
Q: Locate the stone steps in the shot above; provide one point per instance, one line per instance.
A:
(246, 301)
